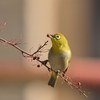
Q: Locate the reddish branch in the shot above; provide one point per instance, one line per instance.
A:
(14, 45)
(34, 57)
(69, 82)
(74, 85)
(2, 26)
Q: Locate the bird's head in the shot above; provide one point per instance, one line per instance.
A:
(58, 40)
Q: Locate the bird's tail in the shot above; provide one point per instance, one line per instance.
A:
(53, 79)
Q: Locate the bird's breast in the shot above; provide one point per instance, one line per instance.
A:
(59, 61)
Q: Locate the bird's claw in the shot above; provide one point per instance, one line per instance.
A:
(57, 72)
(49, 69)
(44, 62)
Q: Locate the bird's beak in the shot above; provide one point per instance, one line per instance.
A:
(50, 36)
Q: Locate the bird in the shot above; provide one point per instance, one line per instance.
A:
(59, 56)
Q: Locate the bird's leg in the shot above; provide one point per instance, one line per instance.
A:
(63, 74)
(44, 63)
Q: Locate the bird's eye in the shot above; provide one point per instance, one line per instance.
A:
(57, 37)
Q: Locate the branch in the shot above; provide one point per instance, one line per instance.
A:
(66, 80)
(14, 45)
(39, 49)
(1, 26)
(33, 56)
(74, 85)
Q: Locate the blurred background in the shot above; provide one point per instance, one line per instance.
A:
(77, 20)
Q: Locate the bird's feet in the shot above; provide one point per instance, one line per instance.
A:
(44, 62)
(57, 72)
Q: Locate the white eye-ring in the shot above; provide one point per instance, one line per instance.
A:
(57, 37)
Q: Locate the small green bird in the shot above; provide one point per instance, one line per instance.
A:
(59, 56)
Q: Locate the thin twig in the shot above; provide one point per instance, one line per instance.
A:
(77, 87)
(38, 50)
(1, 26)
(13, 44)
